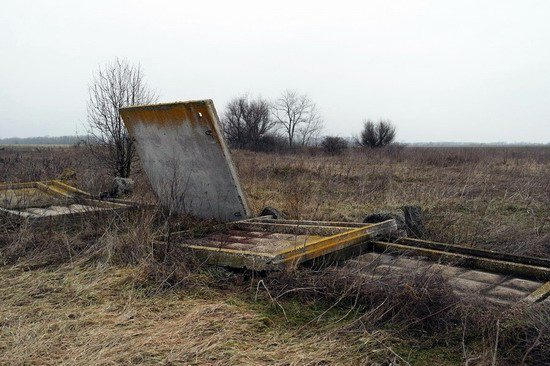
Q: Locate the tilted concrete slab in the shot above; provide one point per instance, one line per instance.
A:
(185, 157)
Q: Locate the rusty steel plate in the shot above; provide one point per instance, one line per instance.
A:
(185, 157)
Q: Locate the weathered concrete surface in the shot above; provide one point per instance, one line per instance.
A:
(41, 201)
(282, 245)
(253, 241)
(186, 159)
(496, 288)
(20, 198)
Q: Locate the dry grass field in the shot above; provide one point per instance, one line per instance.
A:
(102, 293)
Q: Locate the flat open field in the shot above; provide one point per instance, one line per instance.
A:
(102, 293)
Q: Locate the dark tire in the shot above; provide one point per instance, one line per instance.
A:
(408, 218)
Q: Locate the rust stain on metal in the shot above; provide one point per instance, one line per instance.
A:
(196, 113)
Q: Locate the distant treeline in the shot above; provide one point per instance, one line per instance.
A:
(72, 140)
(42, 140)
(474, 144)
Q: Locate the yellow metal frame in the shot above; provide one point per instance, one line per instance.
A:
(57, 189)
(53, 187)
(540, 294)
(293, 255)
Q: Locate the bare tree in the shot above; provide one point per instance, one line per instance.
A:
(119, 84)
(309, 132)
(378, 134)
(297, 115)
(245, 121)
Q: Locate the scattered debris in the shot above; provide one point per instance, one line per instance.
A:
(500, 289)
(190, 168)
(499, 277)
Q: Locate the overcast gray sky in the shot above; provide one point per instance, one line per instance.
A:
(440, 70)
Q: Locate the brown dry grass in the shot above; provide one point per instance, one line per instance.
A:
(77, 316)
(102, 293)
(497, 198)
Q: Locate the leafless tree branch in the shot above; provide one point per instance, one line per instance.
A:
(119, 84)
(298, 117)
(246, 121)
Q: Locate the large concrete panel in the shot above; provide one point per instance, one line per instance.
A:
(186, 159)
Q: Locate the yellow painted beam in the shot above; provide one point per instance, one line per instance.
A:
(471, 261)
(539, 294)
(336, 242)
